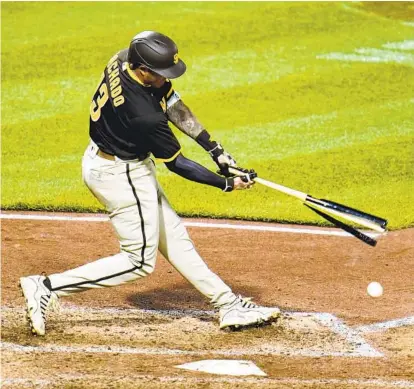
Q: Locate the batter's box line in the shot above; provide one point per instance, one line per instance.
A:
(359, 347)
(192, 381)
(386, 325)
(116, 349)
(352, 336)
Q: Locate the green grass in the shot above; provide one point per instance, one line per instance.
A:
(309, 94)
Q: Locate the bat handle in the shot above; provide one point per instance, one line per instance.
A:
(284, 189)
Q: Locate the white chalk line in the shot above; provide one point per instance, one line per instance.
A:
(131, 379)
(351, 336)
(239, 226)
(384, 326)
(358, 346)
(69, 308)
(240, 352)
(370, 328)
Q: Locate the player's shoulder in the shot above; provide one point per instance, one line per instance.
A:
(119, 57)
(137, 102)
(123, 55)
(149, 121)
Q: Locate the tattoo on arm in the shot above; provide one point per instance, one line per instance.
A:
(181, 116)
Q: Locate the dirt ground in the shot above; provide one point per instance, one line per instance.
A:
(134, 335)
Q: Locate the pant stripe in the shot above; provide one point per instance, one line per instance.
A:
(144, 239)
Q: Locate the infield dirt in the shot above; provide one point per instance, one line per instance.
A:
(147, 327)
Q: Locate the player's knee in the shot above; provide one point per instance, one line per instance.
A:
(144, 262)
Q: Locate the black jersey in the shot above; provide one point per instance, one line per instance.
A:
(127, 118)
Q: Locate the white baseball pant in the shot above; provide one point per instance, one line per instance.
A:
(144, 222)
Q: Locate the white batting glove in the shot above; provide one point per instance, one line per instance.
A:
(223, 160)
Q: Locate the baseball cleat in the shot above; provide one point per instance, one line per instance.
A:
(244, 314)
(38, 299)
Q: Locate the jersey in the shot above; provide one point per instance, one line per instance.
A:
(128, 119)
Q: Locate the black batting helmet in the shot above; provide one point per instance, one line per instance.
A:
(157, 52)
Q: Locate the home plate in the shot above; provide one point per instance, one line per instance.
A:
(224, 366)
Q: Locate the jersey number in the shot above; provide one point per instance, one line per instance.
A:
(96, 106)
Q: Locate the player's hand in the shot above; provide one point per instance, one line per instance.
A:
(223, 160)
(240, 184)
(248, 175)
(243, 178)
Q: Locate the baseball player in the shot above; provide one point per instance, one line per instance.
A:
(129, 116)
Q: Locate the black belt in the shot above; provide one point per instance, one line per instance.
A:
(111, 157)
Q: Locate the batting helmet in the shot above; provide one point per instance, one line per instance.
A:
(157, 52)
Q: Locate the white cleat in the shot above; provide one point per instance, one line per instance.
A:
(38, 299)
(244, 313)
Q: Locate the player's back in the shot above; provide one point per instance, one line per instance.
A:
(117, 103)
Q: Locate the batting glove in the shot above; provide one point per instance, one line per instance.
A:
(245, 174)
(223, 160)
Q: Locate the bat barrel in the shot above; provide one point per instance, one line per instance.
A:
(358, 234)
(343, 211)
(355, 212)
(321, 205)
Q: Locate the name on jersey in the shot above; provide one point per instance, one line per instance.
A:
(114, 82)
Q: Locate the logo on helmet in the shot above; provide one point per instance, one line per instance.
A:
(175, 58)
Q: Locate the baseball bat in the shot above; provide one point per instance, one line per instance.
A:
(373, 222)
(353, 231)
(365, 219)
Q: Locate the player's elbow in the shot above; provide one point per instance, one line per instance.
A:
(175, 164)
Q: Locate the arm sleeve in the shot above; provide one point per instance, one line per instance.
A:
(194, 172)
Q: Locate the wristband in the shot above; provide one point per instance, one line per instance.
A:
(229, 185)
(203, 139)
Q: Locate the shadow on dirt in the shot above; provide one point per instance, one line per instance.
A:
(182, 296)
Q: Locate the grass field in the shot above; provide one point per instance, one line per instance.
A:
(315, 96)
